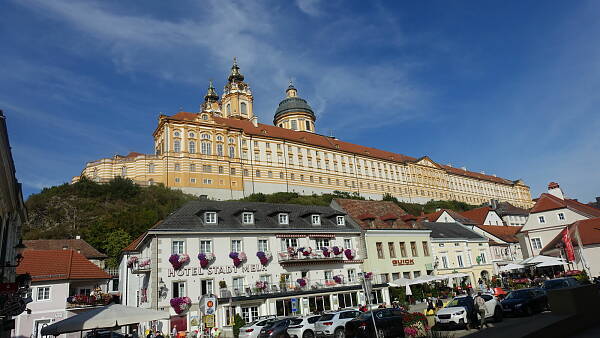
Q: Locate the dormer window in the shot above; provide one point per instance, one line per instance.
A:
(283, 218)
(248, 218)
(210, 217)
(315, 219)
(340, 220)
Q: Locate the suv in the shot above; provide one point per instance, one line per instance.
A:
(332, 324)
(252, 329)
(559, 283)
(388, 322)
(276, 329)
(456, 313)
(303, 327)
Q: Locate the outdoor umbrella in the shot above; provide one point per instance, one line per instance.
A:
(541, 259)
(109, 316)
(512, 266)
(399, 282)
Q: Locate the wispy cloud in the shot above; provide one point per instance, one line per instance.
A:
(310, 7)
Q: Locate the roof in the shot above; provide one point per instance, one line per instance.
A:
(133, 245)
(505, 208)
(589, 231)
(47, 265)
(322, 141)
(433, 217)
(451, 231)
(548, 202)
(364, 212)
(190, 217)
(293, 104)
(78, 245)
(478, 215)
(503, 232)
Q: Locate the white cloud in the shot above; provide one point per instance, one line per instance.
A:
(310, 7)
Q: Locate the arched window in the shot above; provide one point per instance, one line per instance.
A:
(206, 136)
(204, 117)
(192, 134)
(177, 146)
(220, 149)
(243, 108)
(307, 125)
(231, 152)
(176, 133)
(228, 108)
(219, 138)
(206, 148)
(192, 147)
(231, 140)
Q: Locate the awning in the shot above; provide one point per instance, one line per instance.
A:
(511, 266)
(542, 261)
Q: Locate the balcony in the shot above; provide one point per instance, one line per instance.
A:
(315, 256)
(85, 301)
(139, 266)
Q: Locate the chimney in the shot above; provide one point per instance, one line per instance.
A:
(254, 121)
(554, 189)
(494, 203)
(463, 168)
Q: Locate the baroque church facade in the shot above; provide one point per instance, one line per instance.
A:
(224, 153)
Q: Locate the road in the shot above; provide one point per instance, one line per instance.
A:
(506, 323)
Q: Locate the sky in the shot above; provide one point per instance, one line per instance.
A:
(505, 87)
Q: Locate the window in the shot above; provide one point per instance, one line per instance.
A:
(210, 217)
(246, 172)
(340, 220)
(482, 255)
(247, 218)
(348, 243)
(177, 167)
(541, 219)
(219, 149)
(379, 246)
(250, 313)
(413, 249)
(416, 274)
(192, 180)
(561, 216)
(328, 275)
(177, 146)
(231, 151)
(392, 249)
(228, 108)
(459, 259)
(283, 218)
(288, 243)
(258, 173)
(445, 262)
(151, 167)
(192, 147)
(176, 134)
(178, 289)
(351, 275)
(321, 242)
(238, 283)
(177, 247)
(207, 168)
(536, 243)
(206, 147)
(263, 245)
(315, 219)
(206, 181)
(236, 245)
(177, 180)
(244, 111)
(406, 274)
(205, 246)
(232, 171)
(43, 293)
(294, 125)
(425, 249)
(402, 249)
(221, 170)
(307, 125)
(192, 167)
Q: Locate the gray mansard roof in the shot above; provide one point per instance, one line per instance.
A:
(441, 231)
(190, 217)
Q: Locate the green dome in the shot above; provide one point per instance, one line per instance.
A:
(293, 105)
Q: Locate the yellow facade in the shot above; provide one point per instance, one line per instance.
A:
(246, 157)
(391, 260)
(469, 263)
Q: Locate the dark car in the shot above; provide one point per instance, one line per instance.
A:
(387, 321)
(277, 329)
(559, 283)
(525, 301)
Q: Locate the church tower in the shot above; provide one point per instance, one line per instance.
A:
(294, 113)
(237, 97)
(211, 101)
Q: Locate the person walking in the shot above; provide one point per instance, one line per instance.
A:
(481, 310)
(471, 312)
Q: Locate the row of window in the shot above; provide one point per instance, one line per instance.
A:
(392, 249)
(237, 245)
(283, 218)
(204, 136)
(460, 262)
(560, 216)
(206, 148)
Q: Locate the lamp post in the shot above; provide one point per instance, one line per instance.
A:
(19, 249)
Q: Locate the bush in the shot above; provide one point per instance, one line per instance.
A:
(237, 324)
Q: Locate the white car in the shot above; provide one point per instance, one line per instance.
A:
(303, 327)
(455, 313)
(332, 324)
(252, 329)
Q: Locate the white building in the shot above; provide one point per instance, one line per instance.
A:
(548, 217)
(299, 277)
(503, 242)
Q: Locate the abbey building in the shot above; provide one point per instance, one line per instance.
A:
(224, 153)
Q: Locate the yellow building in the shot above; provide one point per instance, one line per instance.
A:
(457, 249)
(223, 152)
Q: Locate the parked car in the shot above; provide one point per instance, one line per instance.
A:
(276, 329)
(387, 321)
(252, 329)
(455, 314)
(303, 327)
(332, 324)
(559, 283)
(525, 301)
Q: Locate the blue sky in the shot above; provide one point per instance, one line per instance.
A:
(509, 88)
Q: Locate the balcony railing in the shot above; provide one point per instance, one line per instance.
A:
(315, 255)
(82, 301)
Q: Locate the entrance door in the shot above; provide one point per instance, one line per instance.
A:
(180, 322)
(39, 324)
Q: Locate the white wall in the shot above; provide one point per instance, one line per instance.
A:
(492, 218)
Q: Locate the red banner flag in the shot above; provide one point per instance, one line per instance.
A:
(566, 238)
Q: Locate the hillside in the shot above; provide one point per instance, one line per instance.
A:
(108, 216)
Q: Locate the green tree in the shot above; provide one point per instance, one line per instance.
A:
(237, 324)
(114, 244)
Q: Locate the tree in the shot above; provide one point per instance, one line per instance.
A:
(114, 244)
(237, 324)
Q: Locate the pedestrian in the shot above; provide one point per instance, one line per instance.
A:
(480, 306)
(430, 306)
(150, 334)
(471, 312)
(438, 303)
(174, 332)
(159, 334)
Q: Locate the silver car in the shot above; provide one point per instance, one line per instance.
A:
(332, 324)
(303, 327)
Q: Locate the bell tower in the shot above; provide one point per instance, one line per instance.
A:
(211, 101)
(294, 113)
(237, 97)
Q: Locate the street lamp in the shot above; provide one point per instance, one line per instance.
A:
(19, 248)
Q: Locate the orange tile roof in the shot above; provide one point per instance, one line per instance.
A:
(46, 265)
(504, 232)
(133, 245)
(589, 231)
(78, 245)
(478, 214)
(327, 142)
(364, 211)
(548, 202)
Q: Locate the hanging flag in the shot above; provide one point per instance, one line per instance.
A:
(566, 238)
